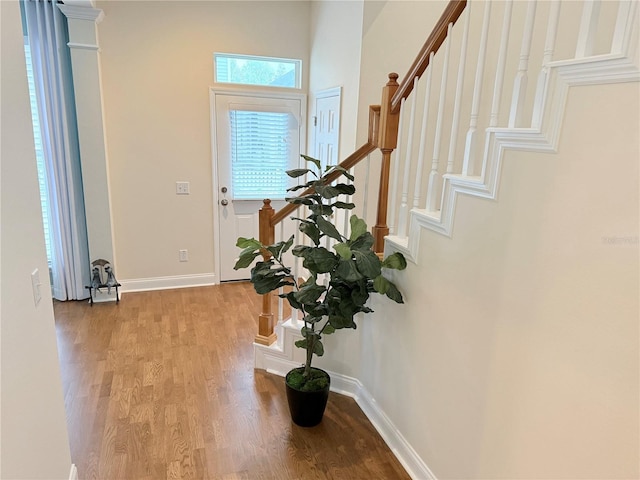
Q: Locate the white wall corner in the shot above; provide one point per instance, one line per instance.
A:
(169, 282)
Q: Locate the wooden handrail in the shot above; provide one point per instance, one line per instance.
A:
(347, 163)
(450, 15)
(382, 134)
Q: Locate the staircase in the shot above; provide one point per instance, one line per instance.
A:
(490, 78)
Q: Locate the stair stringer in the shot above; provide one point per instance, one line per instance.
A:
(560, 75)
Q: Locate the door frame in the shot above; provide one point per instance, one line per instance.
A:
(243, 92)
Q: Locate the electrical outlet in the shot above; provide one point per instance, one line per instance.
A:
(183, 255)
(182, 188)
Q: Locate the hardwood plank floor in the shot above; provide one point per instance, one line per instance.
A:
(162, 386)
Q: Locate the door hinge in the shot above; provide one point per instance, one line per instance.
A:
(315, 121)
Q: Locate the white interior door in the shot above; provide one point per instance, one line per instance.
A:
(327, 126)
(256, 138)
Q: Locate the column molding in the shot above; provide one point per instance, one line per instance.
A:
(82, 20)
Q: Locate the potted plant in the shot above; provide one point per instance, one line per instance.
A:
(338, 285)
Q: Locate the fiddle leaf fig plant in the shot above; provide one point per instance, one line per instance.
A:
(340, 279)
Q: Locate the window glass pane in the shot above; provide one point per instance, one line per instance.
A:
(265, 71)
(259, 154)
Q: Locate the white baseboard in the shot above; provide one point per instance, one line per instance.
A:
(164, 283)
(279, 360)
(73, 474)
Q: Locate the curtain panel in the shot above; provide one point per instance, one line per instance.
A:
(46, 29)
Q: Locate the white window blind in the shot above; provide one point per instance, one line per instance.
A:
(37, 136)
(259, 154)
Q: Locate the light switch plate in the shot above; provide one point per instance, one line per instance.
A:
(35, 284)
(182, 188)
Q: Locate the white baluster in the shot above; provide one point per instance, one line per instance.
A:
(281, 289)
(433, 174)
(367, 174)
(502, 61)
(588, 28)
(396, 173)
(423, 135)
(626, 13)
(432, 193)
(404, 208)
(296, 270)
(345, 226)
(470, 145)
(543, 77)
(520, 84)
(457, 103)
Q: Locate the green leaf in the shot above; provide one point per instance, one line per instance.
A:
(345, 189)
(327, 191)
(309, 293)
(321, 209)
(316, 259)
(348, 271)
(343, 205)
(301, 343)
(358, 227)
(245, 259)
(363, 243)
(394, 294)
(343, 250)
(381, 285)
(385, 287)
(277, 249)
(292, 300)
(315, 161)
(310, 230)
(339, 322)
(298, 187)
(299, 200)
(318, 348)
(298, 172)
(345, 172)
(328, 329)
(395, 261)
(368, 263)
(327, 228)
(248, 243)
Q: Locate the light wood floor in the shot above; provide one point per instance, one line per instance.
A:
(162, 386)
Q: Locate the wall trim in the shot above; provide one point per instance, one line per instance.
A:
(280, 359)
(164, 283)
(82, 13)
(73, 474)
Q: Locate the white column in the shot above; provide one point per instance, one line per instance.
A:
(85, 63)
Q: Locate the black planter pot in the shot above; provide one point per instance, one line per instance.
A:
(307, 408)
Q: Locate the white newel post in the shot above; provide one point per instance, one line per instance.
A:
(85, 63)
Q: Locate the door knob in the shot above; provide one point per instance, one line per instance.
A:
(223, 189)
(224, 202)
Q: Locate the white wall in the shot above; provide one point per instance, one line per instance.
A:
(34, 433)
(157, 67)
(335, 45)
(517, 350)
(516, 353)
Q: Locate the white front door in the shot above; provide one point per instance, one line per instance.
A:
(256, 138)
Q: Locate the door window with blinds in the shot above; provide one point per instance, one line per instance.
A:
(261, 141)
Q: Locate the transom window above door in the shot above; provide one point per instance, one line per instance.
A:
(255, 70)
